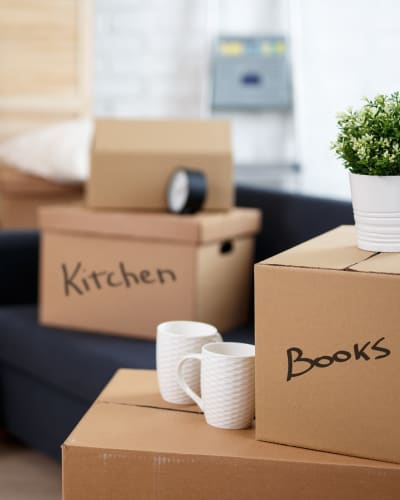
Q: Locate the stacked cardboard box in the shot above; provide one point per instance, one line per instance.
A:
(21, 196)
(123, 273)
(328, 356)
(326, 371)
(123, 264)
(132, 444)
(133, 160)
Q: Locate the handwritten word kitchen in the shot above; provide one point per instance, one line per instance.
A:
(78, 280)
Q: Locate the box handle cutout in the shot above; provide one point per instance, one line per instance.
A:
(226, 246)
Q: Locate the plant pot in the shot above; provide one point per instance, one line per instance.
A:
(376, 206)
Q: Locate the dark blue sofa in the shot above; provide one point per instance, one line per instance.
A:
(49, 377)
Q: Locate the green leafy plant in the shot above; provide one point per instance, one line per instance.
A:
(368, 141)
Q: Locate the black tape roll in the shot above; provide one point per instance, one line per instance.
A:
(192, 186)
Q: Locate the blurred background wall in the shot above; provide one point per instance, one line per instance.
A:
(154, 58)
(342, 50)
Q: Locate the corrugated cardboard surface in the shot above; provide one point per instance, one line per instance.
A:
(162, 136)
(21, 212)
(118, 305)
(223, 284)
(139, 388)
(133, 160)
(12, 181)
(195, 229)
(180, 268)
(22, 195)
(123, 450)
(332, 250)
(322, 297)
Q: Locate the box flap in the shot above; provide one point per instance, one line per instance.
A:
(162, 136)
(121, 390)
(15, 182)
(194, 229)
(382, 263)
(336, 249)
(109, 426)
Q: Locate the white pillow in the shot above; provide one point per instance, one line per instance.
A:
(59, 152)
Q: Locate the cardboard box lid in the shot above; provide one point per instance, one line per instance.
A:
(162, 136)
(130, 416)
(195, 229)
(336, 250)
(145, 394)
(13, 181)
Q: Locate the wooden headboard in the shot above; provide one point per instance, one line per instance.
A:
(45, 70)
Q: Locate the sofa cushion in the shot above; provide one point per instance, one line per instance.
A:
(18, 266)
(78, 363)
(52, 413)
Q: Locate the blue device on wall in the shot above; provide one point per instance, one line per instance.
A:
(251, 73)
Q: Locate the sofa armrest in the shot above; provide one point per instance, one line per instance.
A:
(291, 218)
(18, 267)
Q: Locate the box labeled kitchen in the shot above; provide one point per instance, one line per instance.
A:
(21, 196)
(132, 444)
(125, 272)
(132, 162)
(328, 347)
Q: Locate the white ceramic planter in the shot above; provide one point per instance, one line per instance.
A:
(376, 206)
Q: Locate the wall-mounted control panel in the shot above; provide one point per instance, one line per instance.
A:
(251, 73)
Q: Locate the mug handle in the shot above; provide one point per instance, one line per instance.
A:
(181, 381)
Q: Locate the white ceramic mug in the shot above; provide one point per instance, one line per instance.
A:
(227, 383)
(174, 340)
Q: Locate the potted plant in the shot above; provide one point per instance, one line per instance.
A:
(368, 142)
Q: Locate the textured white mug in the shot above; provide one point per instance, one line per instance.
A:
(227, 383)
(174, 340)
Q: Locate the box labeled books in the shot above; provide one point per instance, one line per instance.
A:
(327, 322)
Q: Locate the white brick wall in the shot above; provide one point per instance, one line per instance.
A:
(152, 59)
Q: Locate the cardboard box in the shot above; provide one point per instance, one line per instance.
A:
(328, 348)
(133, 160)
(21, 196)
(125, 272)
(132, 444)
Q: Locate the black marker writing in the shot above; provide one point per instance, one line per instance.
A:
(77, 280)
(298, 364)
